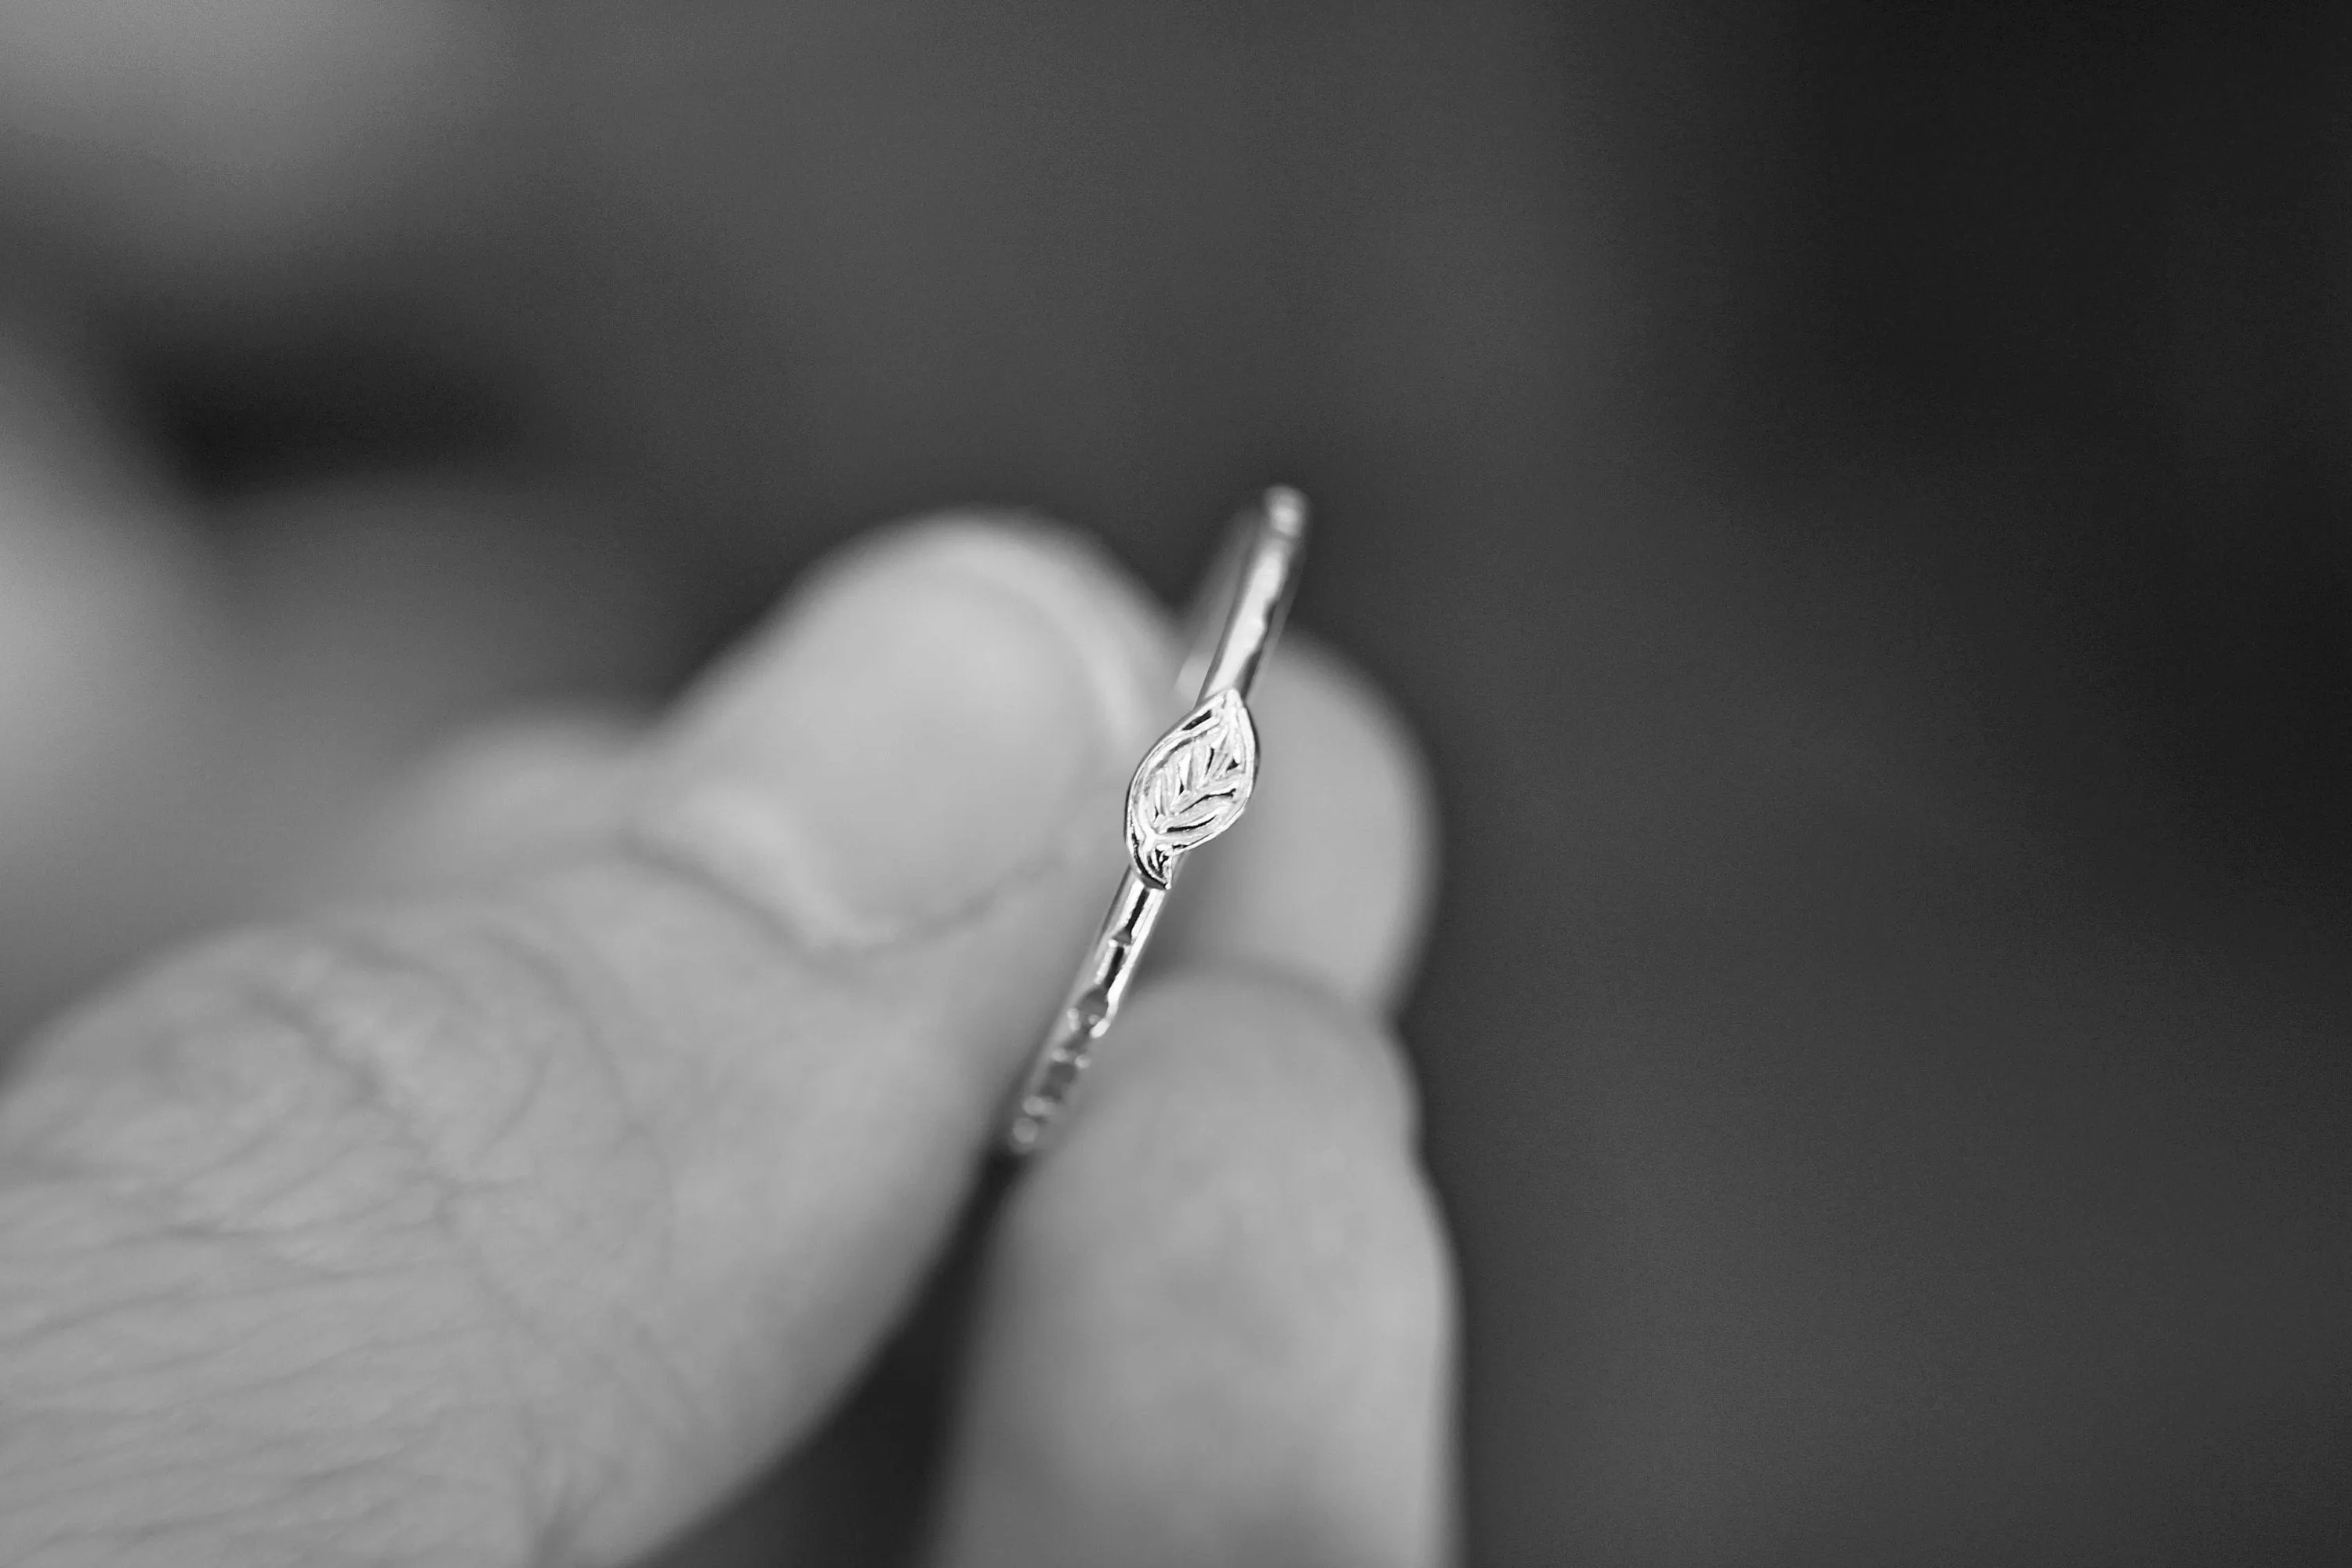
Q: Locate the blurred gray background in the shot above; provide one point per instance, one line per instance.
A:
(1855, 499)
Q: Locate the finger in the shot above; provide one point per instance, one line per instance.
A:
(1329, 875)
(1217, 1325)
(524, 1223)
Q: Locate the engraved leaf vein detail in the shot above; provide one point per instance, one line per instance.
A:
(1193, 786)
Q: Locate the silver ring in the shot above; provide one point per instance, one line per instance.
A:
(1193, 784)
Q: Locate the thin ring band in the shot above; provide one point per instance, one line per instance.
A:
(1193, 784)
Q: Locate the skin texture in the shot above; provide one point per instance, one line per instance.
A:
(523, 1216)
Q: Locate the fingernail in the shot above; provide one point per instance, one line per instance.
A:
(938, 714)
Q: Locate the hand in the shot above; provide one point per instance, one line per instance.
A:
(526, 1216)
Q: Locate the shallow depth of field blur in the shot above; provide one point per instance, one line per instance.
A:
(1858, 500)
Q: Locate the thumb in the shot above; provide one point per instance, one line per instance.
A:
(516, 1227)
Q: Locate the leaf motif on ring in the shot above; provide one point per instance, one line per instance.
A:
(1191, 785)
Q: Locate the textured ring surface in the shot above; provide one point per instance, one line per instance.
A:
(1193, 784)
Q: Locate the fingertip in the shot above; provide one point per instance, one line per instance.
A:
(1240, 1052)
(1253, 1089)
(937, 712)
(1219, 1317)
(1063, 576)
